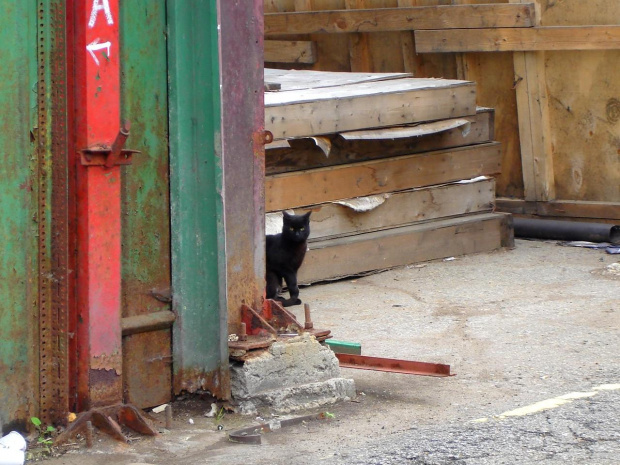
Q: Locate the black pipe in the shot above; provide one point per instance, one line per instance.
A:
(566, 230)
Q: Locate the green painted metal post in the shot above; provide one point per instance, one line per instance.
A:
(147, 369)
(200, 350)
(18, 213)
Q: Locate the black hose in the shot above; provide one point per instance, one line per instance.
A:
(566, 230)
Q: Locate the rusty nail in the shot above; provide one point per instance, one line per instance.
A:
(308, 324)
(243, 334)
(267, 137)
(89, 434)
(168, 411)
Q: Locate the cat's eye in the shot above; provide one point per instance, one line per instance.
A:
(291, 229)
(302, 228)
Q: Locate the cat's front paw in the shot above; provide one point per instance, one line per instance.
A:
(291, 302)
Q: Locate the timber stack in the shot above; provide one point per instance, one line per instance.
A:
(396, 170)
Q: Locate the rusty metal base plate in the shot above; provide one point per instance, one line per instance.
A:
(109, 420)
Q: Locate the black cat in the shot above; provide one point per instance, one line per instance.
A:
(285, 254)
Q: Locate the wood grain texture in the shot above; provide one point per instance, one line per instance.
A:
(306, 154)
(307, 79)
(399, 19)
(534, 127)
(364, 253)
(427, 64)
(494, 77)
(303, 188)
(380, 104)
(567, 209)
(518, 39)
(584, 108)
(402, 208)
(290, 51)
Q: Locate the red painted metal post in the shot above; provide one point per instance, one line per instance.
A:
(97, 113)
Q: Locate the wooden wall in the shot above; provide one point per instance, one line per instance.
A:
(570, 164)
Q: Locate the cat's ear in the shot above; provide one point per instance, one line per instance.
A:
(307, 215)
(286, 216)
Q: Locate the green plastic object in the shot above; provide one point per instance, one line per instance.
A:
(344, 347)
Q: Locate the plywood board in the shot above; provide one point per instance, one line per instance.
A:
(584, 110)
(300, 154)
(303, 188)
(518, 39)
(427, 64)
(366, 105)
(364, 253)
(495, 80)
(400, 19)
(401, 208)
(289, 51)
(308, 79)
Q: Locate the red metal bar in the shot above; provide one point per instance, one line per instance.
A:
(364, 362)
(97, 113)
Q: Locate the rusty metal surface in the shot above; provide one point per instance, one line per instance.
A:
(147, 323)
(147, 368)
(244, 154)
(216, 381)
(52, 218)
(58, 398)
(252, 343)
(18, 212)
(364, 362)
(147, 357)
(109, 420)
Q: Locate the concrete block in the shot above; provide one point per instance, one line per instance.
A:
(291, 375)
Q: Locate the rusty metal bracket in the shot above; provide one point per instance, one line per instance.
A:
(109, 420)
(364, 362)
(104, 155)
(260, 329)
(278, 321)
(252, 434)
(262, 137)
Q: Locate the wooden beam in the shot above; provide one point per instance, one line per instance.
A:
(359, 51)
(368, 105)
(534, 123)
(303, 188)
(294, 79)
(518, 39)
(303, 154)
(365, 253)
(401, 208)
(562, 209)
(290, 51)
(534, 128)
(400, 19)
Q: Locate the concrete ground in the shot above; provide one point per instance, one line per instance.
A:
(517, 327)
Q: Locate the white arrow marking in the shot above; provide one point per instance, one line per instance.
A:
(95, 45)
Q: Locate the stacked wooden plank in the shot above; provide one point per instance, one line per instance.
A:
(396, 170)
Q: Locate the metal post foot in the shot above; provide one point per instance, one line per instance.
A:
(109, 420)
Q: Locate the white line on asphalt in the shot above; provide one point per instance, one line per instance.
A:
(551, 403)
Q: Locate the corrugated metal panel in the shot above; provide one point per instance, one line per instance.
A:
(198, 269)
(18, 227)
(147, 357)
